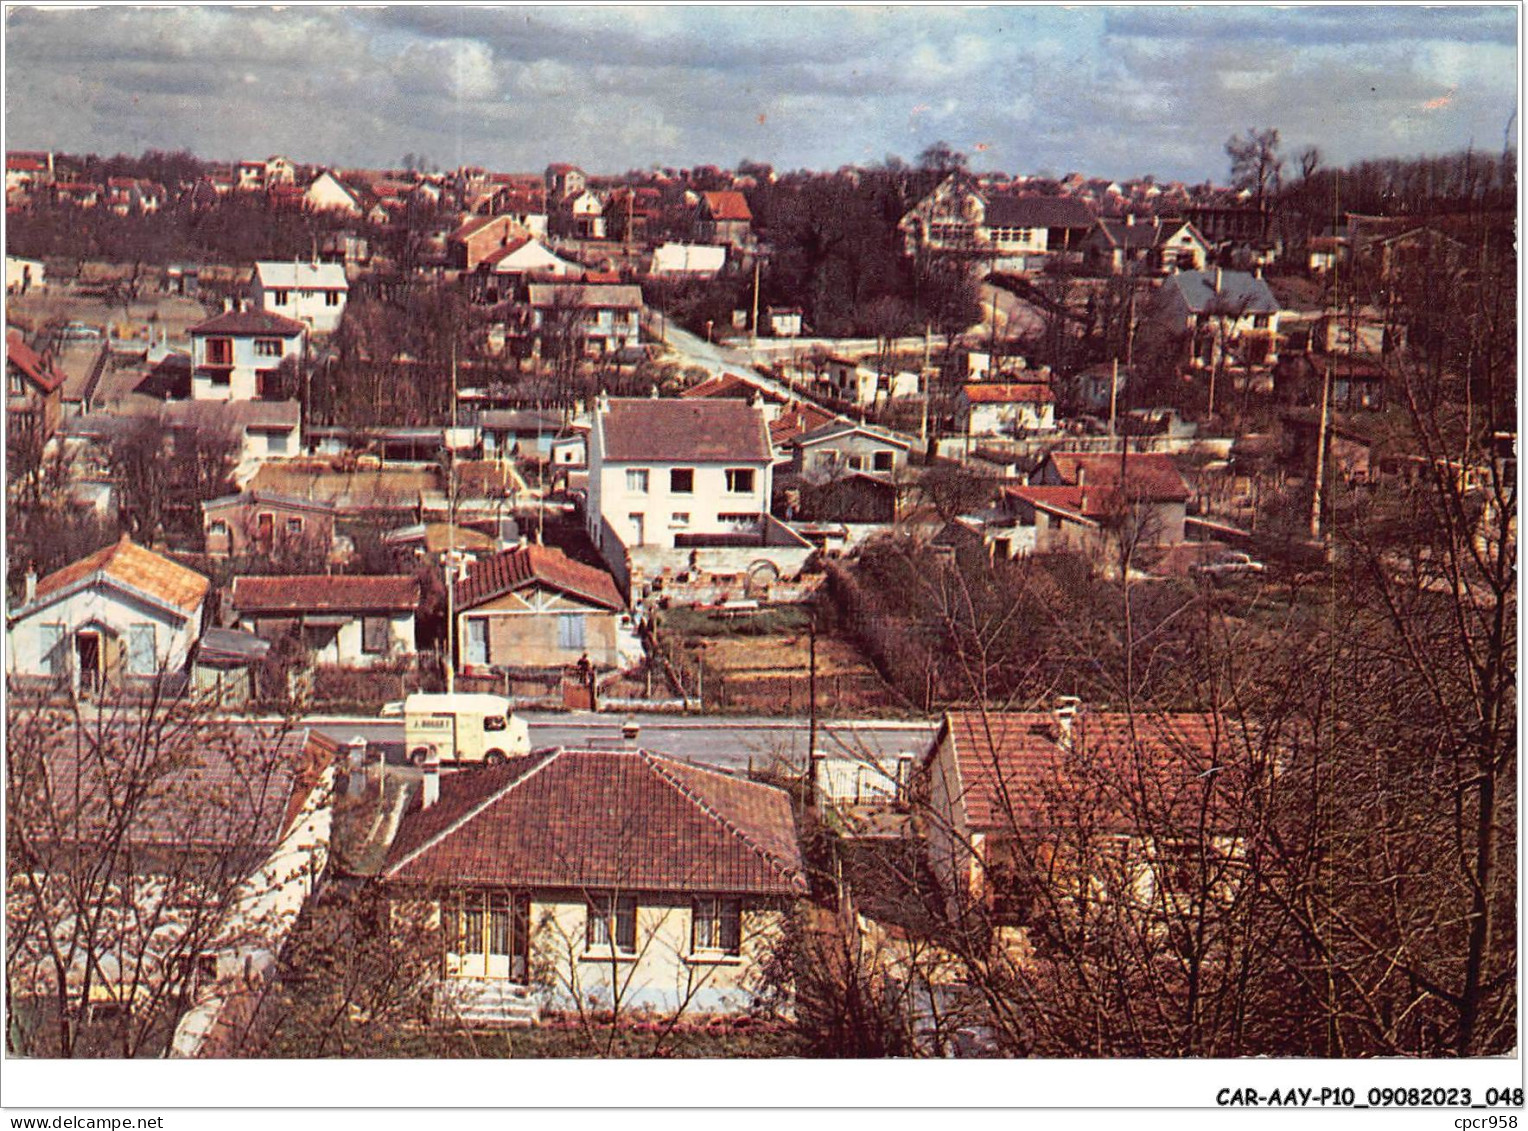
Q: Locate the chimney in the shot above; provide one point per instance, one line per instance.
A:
(629, 731)
(1065, 712)
(429, 792)
(31, 591)
(228, 305)
(1217, 280)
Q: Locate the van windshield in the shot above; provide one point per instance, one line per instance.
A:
(494, 722)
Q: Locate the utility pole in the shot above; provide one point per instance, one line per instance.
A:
(811, 684)
(451, 535)
(1113, 396)
(753, 333)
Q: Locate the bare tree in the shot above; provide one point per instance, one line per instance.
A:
(146, 867)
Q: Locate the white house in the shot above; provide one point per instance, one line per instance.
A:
(327, 193)
(235, 355)
(1220, 312)
(849, 380)
(619, 878)
(998, 410)
(123, 611)
(695, 259)
(528, 256)
(348, 620)
(609, 315)
(22, 275)
(312, 293)
(661, 469)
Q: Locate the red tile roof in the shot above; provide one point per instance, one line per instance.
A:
(797, 420)
(37, 367)
(708, 429)
(249, 322)
(1015, 770)
(527, 566)
(1149, 476)
(729, 205)
(170, 583)
(587, 819)
(1030, 393)
(728, 385)
(311, 592)
(223, 785)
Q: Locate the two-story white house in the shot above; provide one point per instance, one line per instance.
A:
(659, 469)
(684, 485)
(312, 293)
(608, 316)
(1219, 312)
(234, 357)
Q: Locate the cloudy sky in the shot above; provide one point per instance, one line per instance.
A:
(1112, 91)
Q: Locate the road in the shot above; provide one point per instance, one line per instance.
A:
(724, 740)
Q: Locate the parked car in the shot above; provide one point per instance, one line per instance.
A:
(1227, 563)
(79, 332)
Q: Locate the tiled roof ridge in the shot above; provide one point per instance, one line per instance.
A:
(473, 813)
(654, 762)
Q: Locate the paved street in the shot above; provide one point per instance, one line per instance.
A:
(728, 741)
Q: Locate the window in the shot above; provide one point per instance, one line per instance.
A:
(267, 347)
(278, 298)
(570, 631)
(140, 649)
(679, 518)
(477, 640)
(884, 461)
(1260, 321)
(612, 923)
(716, 925)
(331, 298)
(494, 723)
(293, 525)
(219, 351)
(219, 378)
(636, 480)
(374, 635)
(638, 528)
(739, 519)
(18, 385)
(217, 530)
(740, 480)
(682, 481)
(50, 649)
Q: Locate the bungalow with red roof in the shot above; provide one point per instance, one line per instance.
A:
(33, 392)
(624, 878)
(347, 620)
(220, 830)
(1076, 805)
(1102, 502)
(724, 218)
(992, 409)
(123, 612)
(534, 607)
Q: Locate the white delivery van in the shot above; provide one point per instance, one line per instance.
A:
(462, 728)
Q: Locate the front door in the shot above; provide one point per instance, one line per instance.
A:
(87, 651)
(492, 932)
